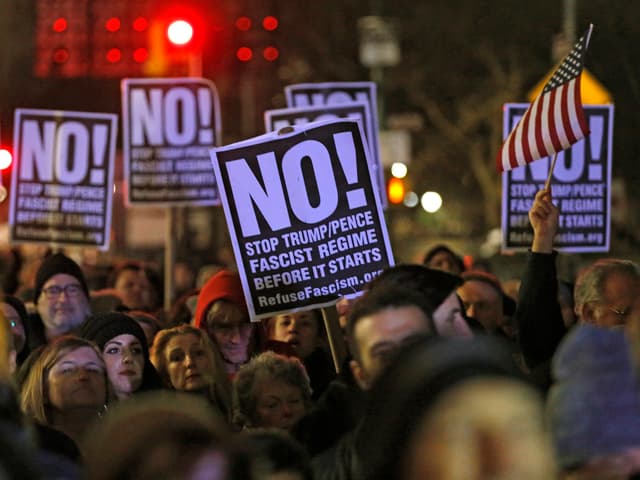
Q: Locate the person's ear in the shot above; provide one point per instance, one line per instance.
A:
(359, 375)
(586, 313)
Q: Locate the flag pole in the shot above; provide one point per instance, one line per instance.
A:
(547, 184)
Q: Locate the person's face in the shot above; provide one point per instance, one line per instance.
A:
(17, 328)
(230, 329)
(484, 428)
(444, 261)
(124, 359)
(77, 380)
(131, 286)
(619, 293)
(482, 302)
(63, 311)
(278, 404)
(380, 335)
(188, 364)
(300, 330)
(448, 318)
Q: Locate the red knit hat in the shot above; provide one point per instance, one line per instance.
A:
(224, 285)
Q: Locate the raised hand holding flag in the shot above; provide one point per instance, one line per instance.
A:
(555, 120)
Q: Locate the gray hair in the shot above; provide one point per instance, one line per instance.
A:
(267, 366)
(590, 281)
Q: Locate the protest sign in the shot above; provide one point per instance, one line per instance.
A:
(303, 214)
(340, 93)
(580, 186)
(61, 188)
(169, 124)
(284, 117)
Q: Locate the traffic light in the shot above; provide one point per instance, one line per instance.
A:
(395, 190)
(61, 39)
(256, 38)
(176, 40)
(119, 47)
(76, 38)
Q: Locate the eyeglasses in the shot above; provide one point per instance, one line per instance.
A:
(72, 290)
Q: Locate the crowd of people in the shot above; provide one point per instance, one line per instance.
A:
(446, 375)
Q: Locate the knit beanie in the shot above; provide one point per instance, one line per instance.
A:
(53, 265)
(594, 405)
(103, 327)
(224, 285)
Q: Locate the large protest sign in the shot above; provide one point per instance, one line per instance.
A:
(339, 93)
(61, 188)
(580, 188)
(303, 214)
(169, 124)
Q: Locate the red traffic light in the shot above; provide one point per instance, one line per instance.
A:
(60, 25)
(270, 23)
(244, 54)
(180, 32)
(243, 23)
(112, 25)
(5, 159)
(271, 54)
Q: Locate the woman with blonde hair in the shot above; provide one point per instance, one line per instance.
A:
(67, 387)
(187, 361)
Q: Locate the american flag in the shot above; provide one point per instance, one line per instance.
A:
(555, 120)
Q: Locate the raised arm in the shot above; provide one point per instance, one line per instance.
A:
(538, 314)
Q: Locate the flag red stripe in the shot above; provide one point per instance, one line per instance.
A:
(566, 120)
(526, 151)
(542, 149)
(552, 134)
(512, 147)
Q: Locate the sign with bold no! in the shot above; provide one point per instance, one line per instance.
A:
(580, 186)
(61, 189)
(340, 93)
(169, 124)
(303, 214)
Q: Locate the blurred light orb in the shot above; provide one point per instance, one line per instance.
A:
(411, 199)
(399, 170)
(180, 32)
(431, 201)
(5, 159)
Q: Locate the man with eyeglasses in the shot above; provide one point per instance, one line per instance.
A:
(61, 297)
(605, 294)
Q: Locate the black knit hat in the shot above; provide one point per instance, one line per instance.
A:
(102, 327)
(53, 265)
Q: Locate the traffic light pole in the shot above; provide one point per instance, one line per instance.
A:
(194, 65)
